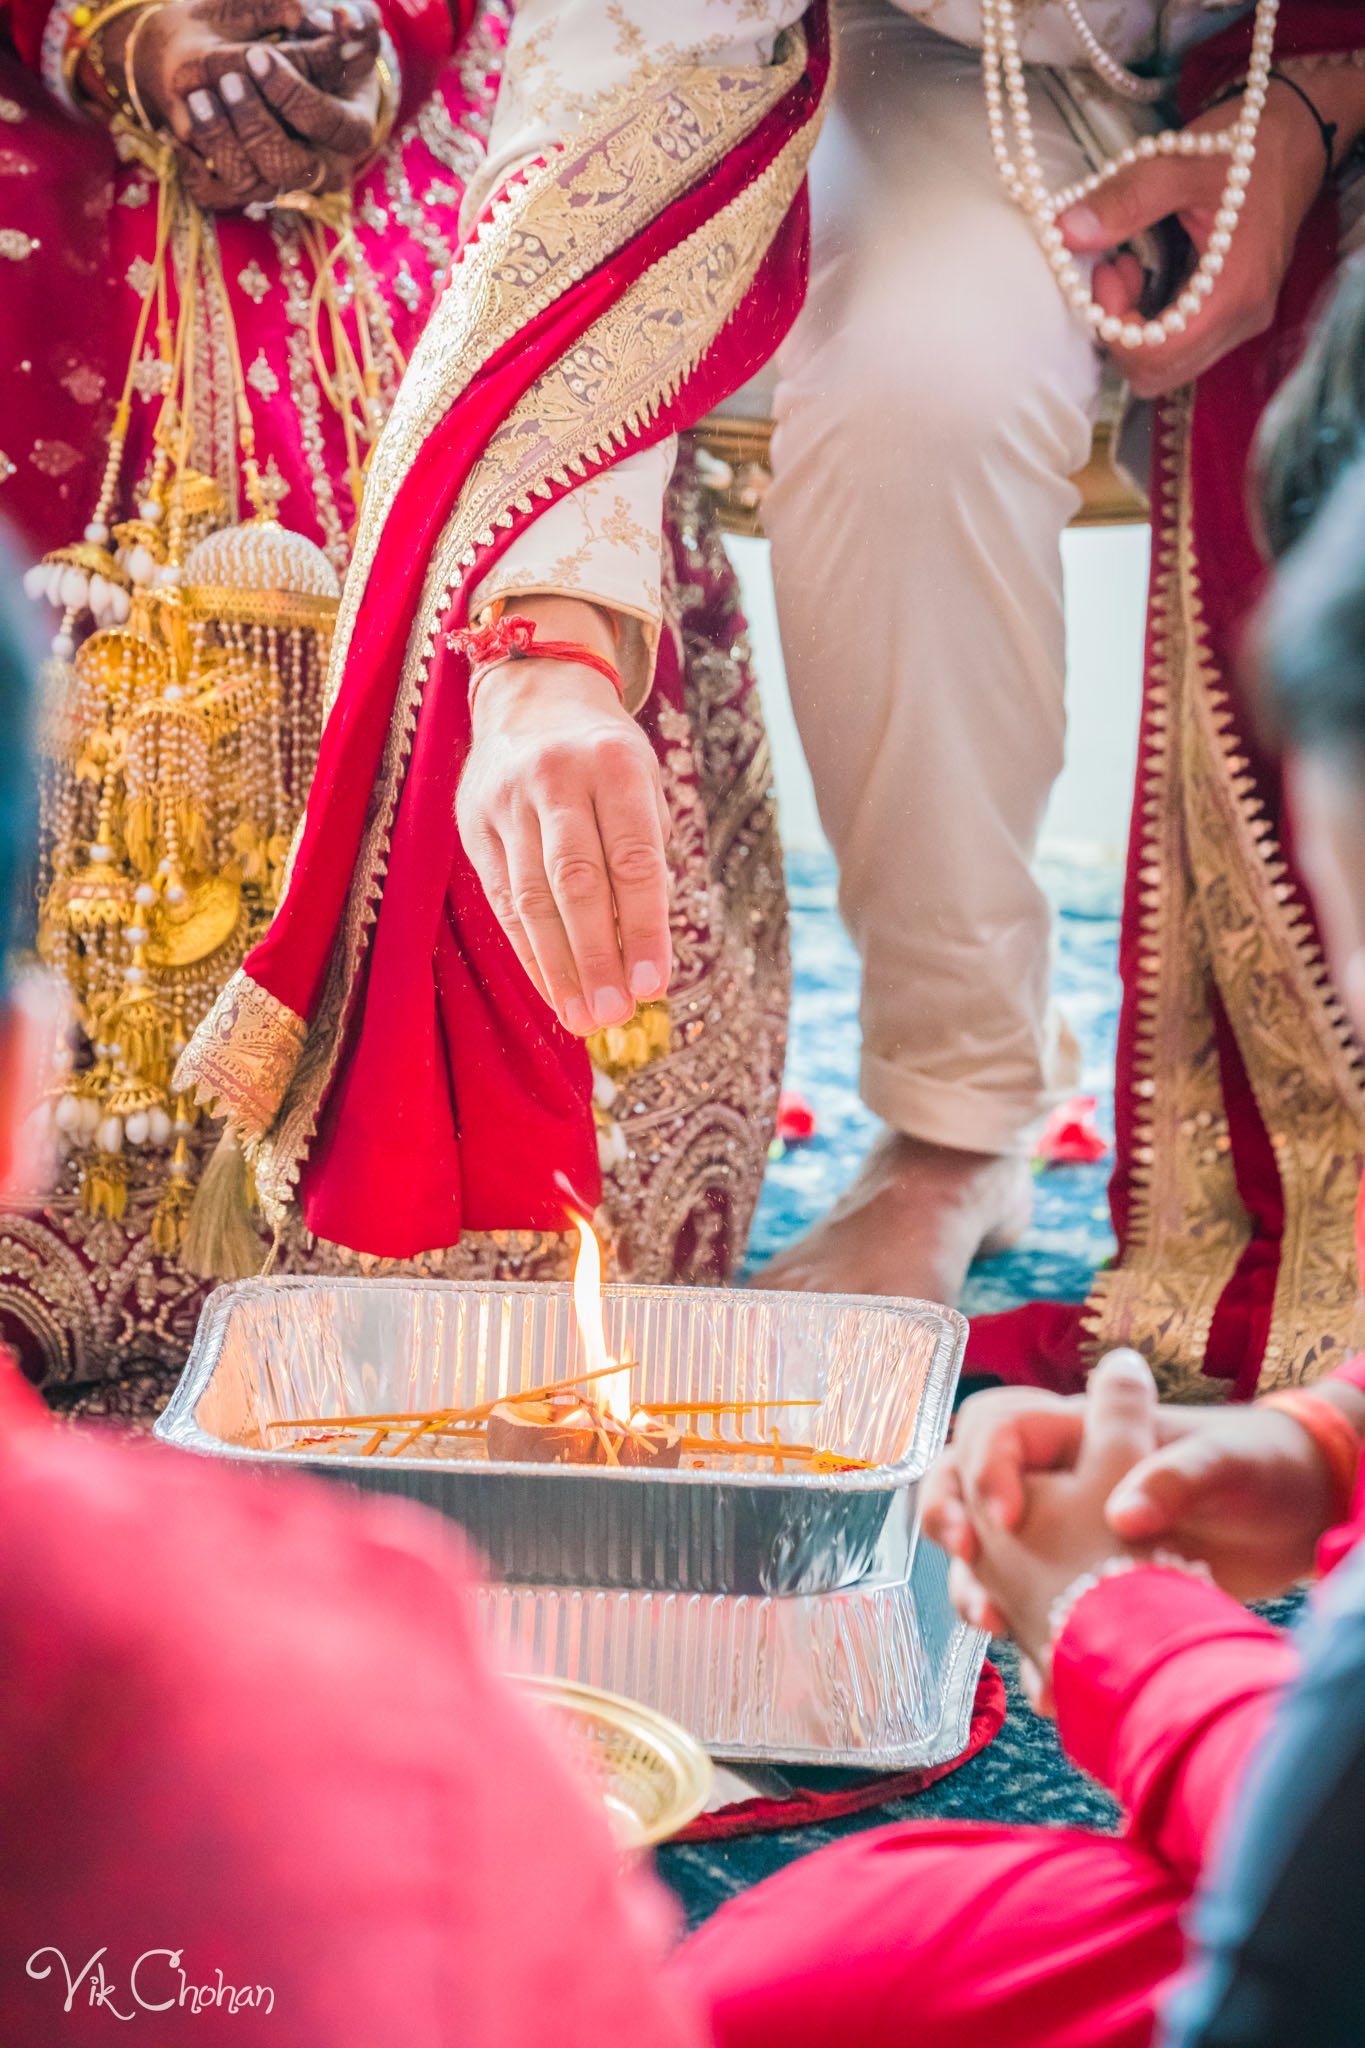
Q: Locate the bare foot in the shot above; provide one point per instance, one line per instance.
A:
(911, 1224)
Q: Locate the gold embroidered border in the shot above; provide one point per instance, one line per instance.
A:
(1218, 911)
(1187, 1225)
(655, 335)
(645, 145)
(242, 1058)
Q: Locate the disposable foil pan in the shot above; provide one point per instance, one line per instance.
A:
(874, 1677)
(882, 1372)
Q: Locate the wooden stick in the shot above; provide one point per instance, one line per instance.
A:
(409, 1416)
(716, 1407)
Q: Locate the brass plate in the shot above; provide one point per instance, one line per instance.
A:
(651, 1775)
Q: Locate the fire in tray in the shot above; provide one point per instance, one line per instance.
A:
(588, 1418)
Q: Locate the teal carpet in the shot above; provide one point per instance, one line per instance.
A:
(1022, 1775)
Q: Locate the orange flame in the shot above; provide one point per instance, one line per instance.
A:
(612, 1393)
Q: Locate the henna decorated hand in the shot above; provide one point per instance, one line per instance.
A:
(261, 96)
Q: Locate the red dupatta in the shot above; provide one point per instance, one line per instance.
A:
(1239, 1108)
(382, 1050)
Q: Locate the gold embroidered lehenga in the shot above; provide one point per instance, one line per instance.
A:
(1240, 1093)
(99, 1307)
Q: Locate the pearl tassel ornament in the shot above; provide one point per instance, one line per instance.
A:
(1022, 173)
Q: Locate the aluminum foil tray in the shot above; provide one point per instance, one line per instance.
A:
(875, 1677)
(883, 1373)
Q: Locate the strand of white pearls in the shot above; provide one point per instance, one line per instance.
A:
(1007, 106)
(1115, 75)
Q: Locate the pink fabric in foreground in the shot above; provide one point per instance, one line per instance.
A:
(253, 1726)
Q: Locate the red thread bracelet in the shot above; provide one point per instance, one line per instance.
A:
(512, 638)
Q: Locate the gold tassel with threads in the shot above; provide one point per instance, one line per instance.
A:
(221, 1241)
(181, 722)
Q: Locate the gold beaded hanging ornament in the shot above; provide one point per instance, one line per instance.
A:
(181, 735)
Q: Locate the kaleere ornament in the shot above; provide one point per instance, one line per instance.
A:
(183, 714)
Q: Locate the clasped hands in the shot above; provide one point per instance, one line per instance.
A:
(1036, 1491)
(261, 97)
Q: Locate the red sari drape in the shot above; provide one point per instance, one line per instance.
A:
(382, 1051)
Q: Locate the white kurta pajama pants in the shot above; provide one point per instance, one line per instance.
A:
(932, 404)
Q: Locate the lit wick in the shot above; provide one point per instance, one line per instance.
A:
(592, 1420)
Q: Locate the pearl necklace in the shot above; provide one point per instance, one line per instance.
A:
(1003, 71)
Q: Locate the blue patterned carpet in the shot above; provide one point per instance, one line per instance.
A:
(1022, 1775)
(1070, 1234)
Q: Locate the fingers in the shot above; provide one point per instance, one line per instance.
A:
(1138, 198)
(243, 21)
(996, 1465)
(1120, 1418)
(489, 860)
(1117, 287)
(1037, 1689)
(218, 170)
(943, 1509)
(581, 909)
(281, 164)
(333, 64)
(972, 1602)
(628, 819)
(320, 118)
(529, 914)
(1002, 1436)
(1157, 1495)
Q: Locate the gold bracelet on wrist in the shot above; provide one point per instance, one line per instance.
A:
(140, 114)
(388, 103)
(87, 26)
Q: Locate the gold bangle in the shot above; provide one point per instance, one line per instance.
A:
(388, 103)
(87, 26)
(144, 120)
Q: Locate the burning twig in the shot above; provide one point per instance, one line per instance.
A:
(451, 1417)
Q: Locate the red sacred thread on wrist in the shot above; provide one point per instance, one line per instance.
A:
(1335, 1437)
(511, 638)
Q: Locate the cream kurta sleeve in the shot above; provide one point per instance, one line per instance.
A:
(603, 540)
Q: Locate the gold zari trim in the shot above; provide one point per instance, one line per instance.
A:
(242, 1058)
(1219, 920)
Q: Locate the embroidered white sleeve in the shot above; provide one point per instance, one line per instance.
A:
(602, 542)
(562, 55)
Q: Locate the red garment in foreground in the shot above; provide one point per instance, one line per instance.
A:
(991, 1937)
(253, 1726)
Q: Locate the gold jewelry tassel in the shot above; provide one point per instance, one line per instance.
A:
(221, 1241)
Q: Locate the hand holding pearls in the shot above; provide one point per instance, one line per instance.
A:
(1022, 172)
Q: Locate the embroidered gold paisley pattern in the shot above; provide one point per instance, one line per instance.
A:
(1219, 917)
